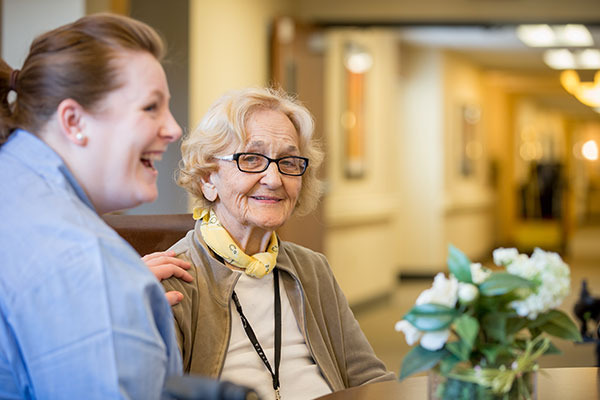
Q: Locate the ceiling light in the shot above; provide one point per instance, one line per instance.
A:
(573, 35)
(542, 35)
(560, 59)
(536, 35)
(566, 59)
(589, 59)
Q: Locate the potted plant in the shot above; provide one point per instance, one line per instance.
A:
(480, 332)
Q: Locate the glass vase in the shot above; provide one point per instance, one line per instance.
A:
(442, 388)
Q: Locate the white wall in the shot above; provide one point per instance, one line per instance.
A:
(421, 160)
(23, 20)
(229, 48)
(498, 131)
(360, 243)
(468, 200)
(439, 206)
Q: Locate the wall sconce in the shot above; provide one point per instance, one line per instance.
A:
(357, 60)
(586, 92)
(357, 63)
(589, 150)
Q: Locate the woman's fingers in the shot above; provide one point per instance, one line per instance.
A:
(156, 254)
(164, 258)
(164, 264)
(165, 271)
(173, 297)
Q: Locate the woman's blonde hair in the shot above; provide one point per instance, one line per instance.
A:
(225, 124)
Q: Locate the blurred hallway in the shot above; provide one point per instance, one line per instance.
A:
(377, 320)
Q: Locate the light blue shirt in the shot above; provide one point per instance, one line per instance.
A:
(81, 317)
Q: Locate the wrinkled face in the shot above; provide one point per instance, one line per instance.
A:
(257, 202)
(128, 133)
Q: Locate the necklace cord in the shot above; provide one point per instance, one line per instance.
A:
(252, 336)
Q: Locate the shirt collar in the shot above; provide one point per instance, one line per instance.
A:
(42, 159)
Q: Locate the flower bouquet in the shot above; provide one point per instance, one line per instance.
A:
(482, 331)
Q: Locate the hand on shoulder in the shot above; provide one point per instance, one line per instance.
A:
(164, 264)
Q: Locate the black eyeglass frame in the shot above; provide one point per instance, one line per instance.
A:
(235, 157)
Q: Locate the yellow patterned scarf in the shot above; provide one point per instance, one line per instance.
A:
(219, 240)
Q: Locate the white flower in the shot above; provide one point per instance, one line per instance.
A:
(479, 273)
(553, 276)
(435, 340)
(467, 292)
(444, 292)
(411, 333)
(429, 340)
(504, 256)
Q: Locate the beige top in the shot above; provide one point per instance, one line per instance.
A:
(299, 376)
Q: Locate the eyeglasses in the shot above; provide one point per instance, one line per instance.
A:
(255, 163)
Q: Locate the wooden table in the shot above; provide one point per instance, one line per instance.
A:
(553, 384)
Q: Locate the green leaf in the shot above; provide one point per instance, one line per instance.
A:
(459, 349)
(542, 319)
(535, 332)
(486, 304)
(467, 328)
(491, 351)
(500, 283)
(521, 344)
(497, 354)
(494, 326)
(560, 325)
(431, 317)
(552, 349)
(419, 359)
(514, 325)
(448, 363)
(459, 265)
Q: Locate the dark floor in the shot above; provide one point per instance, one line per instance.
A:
(377, 321)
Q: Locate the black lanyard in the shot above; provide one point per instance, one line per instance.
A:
(254, 340)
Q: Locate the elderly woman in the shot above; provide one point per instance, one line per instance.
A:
(250, 164)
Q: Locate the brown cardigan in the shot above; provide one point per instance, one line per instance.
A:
(334, 338)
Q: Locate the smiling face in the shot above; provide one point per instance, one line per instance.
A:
(127, 134)
(257, 203)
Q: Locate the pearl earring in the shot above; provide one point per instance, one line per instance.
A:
(80, 137)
